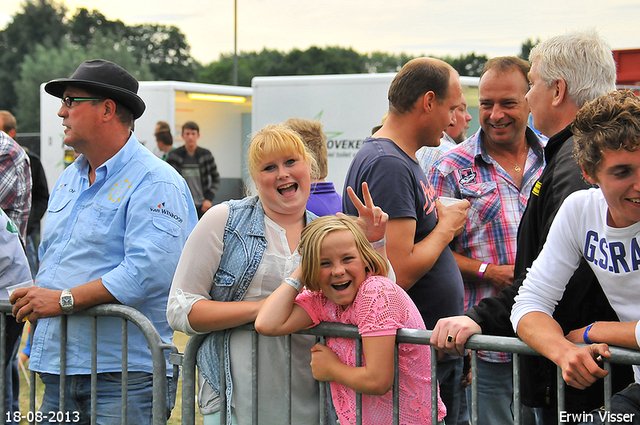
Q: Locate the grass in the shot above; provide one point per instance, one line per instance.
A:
(179, 339)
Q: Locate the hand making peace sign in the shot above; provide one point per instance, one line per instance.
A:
(371, 219)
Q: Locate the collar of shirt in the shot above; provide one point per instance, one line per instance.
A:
(447, 140)
(322, 187)
(110, 166)
(534, 141)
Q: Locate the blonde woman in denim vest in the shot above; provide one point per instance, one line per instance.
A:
(239, 253)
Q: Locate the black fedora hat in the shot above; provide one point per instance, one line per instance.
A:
(105, 78)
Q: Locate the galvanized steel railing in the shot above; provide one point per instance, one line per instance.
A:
(188, 362)
(404, 336)
(127, 314)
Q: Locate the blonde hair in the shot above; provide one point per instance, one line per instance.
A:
(278, 140)
(310, 248)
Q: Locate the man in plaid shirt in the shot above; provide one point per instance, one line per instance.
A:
(15, 201)
(15, 183)
(494, 170)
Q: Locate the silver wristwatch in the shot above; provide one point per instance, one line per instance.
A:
(66, 301)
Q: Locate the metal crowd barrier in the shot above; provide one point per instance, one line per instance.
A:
(188, 362)
(127, 314)
(408, 336)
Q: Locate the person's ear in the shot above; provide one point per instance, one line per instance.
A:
(588, 178)
(559, 91)
(109, 108)
(428, 101)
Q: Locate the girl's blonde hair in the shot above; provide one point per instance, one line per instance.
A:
(277, 140)
(311, 246)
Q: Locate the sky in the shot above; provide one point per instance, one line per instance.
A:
(416, 27)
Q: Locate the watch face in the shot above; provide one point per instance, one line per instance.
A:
(66, 302)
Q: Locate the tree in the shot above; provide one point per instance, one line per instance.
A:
(385, 62)
(313, 61)
(40, 21)
(526, 47)
(317, 61)
(164, 49)
(155, 52)
(47, 63)
(221, 71)
(84, 24)
(469, 65)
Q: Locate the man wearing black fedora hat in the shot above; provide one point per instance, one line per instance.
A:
(117, 220)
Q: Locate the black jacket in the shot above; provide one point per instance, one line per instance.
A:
(39, 193)
(583, 301)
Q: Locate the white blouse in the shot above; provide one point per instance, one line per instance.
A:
(193, 281)
(200, 260)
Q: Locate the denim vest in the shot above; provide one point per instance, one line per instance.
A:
(244, 243)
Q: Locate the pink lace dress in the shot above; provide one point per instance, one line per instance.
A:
(379, 309)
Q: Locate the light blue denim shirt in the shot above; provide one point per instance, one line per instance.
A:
(128, 228)
(244, 243)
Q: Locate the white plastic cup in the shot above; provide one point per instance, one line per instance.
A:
(25, 284)
(447, 201)
(12, 288)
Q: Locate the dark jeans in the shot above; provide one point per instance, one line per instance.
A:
(12, 375)
(625, 409)
(449, 375)
(109, 397)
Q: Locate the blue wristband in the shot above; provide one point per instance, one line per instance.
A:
(585, 336)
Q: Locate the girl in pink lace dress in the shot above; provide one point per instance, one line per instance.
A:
(346, 283)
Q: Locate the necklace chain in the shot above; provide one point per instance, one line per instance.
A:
(516, 167)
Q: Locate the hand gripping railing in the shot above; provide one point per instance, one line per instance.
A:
(127, 314)
(409, 336)
(518, 347)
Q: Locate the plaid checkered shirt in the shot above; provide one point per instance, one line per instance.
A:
(497, 204)
(15, 183)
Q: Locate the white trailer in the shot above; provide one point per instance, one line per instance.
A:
(348, 106)
(223, 114)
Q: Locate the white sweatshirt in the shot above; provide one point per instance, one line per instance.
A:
(580, 230)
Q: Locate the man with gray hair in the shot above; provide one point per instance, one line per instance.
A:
(566, 72)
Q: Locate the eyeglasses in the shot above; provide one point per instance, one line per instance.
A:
(68, 101)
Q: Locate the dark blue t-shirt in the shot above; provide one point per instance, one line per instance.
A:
(399, 186)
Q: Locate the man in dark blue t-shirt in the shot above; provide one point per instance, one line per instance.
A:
(422, 100)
